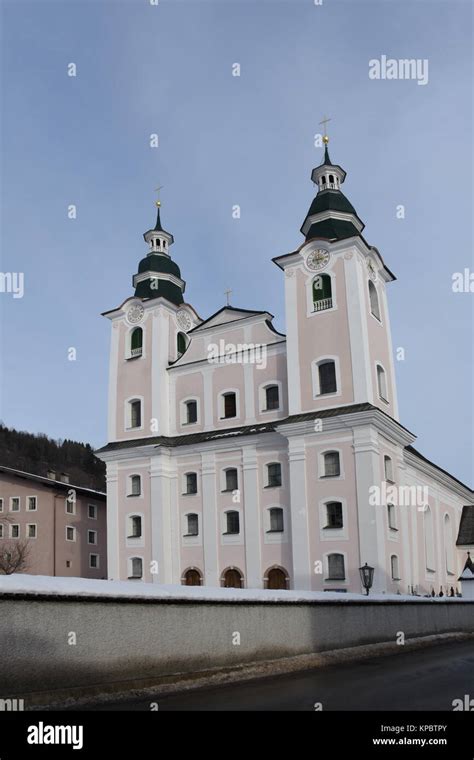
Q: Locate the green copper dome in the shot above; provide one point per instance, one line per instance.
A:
(156, 262)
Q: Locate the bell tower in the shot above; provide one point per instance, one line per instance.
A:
(339, 349)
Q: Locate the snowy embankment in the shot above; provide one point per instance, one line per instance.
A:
(84, 587)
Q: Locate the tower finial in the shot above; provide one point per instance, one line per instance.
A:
(157, 190)
(325, 136)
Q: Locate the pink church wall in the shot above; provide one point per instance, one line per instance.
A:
(134, 380)
(378, 350)
(324, 334)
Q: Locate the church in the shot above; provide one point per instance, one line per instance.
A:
(238, 456)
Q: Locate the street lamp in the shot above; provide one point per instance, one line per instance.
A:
(366, 576)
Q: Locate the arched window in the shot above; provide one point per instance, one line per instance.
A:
(448, 545)
(272, 398)
(336, 570)
(429, 539)
(180, 343)
(273, 474)
(381, 382)
(135, 485)
(192, 577)
(394, 568)
(191, 412)
(134, 526)
(136, 568)
(191, 482)
(232, 523)
(327, 377)
(323, 179)
(231, 479)
(332, 466)
(276, 578)
(374, 300)
(232, 578)
(136, 342)
(135, 413)
(192, 525)
(392, 516)
(322, 292)
(276, 520)
(334, 518)
(331, 179)
(388, 468)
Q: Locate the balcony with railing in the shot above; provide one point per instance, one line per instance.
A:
(322, 304)
(134, 352)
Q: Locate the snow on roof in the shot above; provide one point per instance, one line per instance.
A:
(20, 583)
(49, 481)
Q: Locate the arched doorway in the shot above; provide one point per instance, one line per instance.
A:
(277, 578)
(192, 577)
(232, 578)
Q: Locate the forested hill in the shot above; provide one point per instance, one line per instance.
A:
(36, 453)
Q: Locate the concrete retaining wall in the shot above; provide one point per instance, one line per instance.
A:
(118, 640)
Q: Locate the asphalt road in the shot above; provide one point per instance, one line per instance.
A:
(428, 679)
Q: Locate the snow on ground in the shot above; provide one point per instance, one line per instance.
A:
(41, 584)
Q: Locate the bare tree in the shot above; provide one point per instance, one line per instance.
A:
(14, 557)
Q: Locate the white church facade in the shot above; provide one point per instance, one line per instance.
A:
(238, 456)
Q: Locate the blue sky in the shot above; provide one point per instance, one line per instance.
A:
(227, 140)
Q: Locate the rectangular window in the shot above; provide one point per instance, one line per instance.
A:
(327, 378)
(231, 480)
(1, 530)
(193, 525)
(274, 474)
(71, 504)
(394, 568)
(392, 517)
(92, 511)
(135, 526)
(70, 533)
(331, 465)
(136, 485)
(276, 520)
(31, 530)
(135, 414)
(230, 405)
(31, 503)
(14, 531)
(15, 504)
(93, 561)
(91, 536)
(136, 567)
(191, 412)
(1, 505)
(334, 514)
(273, 401)
(233, 522)
(336, 567)
(191, 482)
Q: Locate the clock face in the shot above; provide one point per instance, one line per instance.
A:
(317, 259)
(184, 320)
(135, 313)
